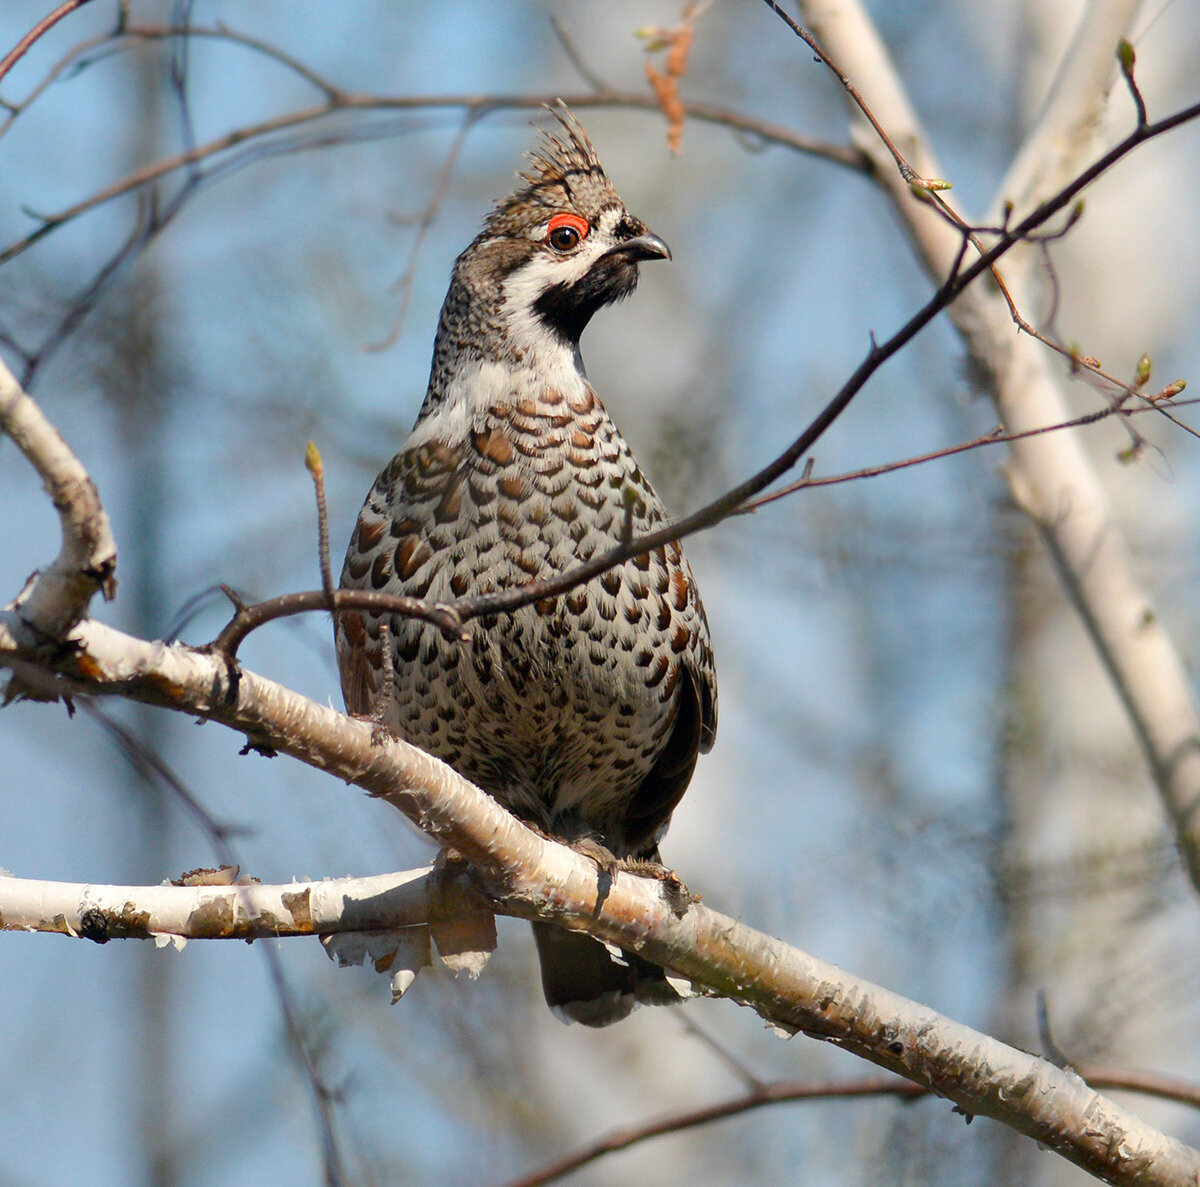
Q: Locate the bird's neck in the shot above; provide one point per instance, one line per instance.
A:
(484, 361)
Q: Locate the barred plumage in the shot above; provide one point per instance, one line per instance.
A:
(582, 714)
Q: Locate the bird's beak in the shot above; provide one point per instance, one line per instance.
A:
(641, 247)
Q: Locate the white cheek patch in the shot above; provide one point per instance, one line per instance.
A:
(542, 271)
(522, 288)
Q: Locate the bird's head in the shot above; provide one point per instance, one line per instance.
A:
(550, 255)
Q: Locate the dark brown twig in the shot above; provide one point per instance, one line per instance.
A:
(762, 1094)
(43, 26)
(928, 184)
(735, 499)
(444, 616)
(765, 1094)
(928, 191)
(451, 617)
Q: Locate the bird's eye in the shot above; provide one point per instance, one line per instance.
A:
(566, 232)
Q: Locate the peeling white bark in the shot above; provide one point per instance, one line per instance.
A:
(54, 600)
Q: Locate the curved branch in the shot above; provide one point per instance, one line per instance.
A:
(530, 876)
(38, 31)
(338, 101)
(53, 601)
(765, 1093)
(443, 615)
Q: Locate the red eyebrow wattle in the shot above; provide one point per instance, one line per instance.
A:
(569, 220)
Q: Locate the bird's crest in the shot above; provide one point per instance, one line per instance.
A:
(564, 174)
(556, 158)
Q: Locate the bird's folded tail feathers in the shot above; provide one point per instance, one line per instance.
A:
(584, 982)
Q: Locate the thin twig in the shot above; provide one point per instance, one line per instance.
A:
(767, 1094)
(928, 184)
(791, 1092)
(584, 71)
(316, 467)
(404, 284)
(43, 26)
(387, 686)
(752, 1082)
(1126, 59)
(445, 616)
(337, 101)
(152, 767)
(996, 436)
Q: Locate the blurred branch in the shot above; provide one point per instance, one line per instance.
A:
(779, 1092)
(1050, 476)
(337, 102)
(782, 1092)
(424, 223)
(96, 913)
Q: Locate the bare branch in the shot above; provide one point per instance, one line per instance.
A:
(238, 911)
(316, 467)
(996, 436)
(769, 1094)
(43, 26)
(337, 101)
(910, 176)
(445, 616)
(792, 1092)
(527, 875)
(1050, 476)
(53, 601)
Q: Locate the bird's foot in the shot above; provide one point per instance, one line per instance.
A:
(678, 897)
(606, 860)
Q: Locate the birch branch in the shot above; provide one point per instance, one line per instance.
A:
(531, 877)
(1051, 477)
(240, 912)
(53, 601)
(524, 874)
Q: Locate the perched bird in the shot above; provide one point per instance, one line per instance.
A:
(582, 714)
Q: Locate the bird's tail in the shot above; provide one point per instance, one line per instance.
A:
(585, 982)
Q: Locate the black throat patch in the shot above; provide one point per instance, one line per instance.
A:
(567, 308)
